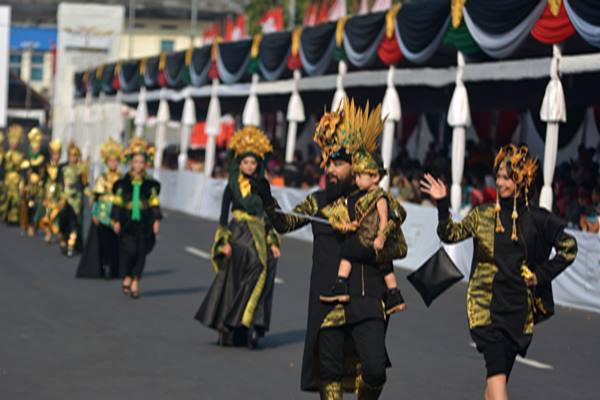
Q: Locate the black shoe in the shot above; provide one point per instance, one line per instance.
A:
(252, 339)
(394, 302)
(338, 292)
(225, 339)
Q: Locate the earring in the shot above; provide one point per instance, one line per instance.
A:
(497, 208)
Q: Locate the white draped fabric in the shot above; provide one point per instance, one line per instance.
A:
(213, 128)
(188, 120)
(295, 115)
(251, 115)
(141, 114)
(162, 118)
(339, 94)
(459, 118)
(553, 112)
(391, 112)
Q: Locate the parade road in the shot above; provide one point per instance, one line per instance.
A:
(66, 338)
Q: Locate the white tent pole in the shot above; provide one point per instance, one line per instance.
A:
(162, 118)
(141, 113)
(295, 114)
(553, 112)
(213, 128)
(459, 118)
(392, 113)
(188, 120)
(338, 96)
(251, 115)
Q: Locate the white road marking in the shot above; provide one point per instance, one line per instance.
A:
(526, 361)
(206, 256)
(197, 252)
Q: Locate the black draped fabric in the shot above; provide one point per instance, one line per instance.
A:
(223, 307)
(274, 49)
(200, 63)
(420, 22)
(79, 89)
(151, 76)
(130, 76)
(363, 30)
(100, 258)
(107, 78)
(588, 10)
(174, 70)
(234, 54)
(316, 40)
(499, 17)
(566, 130)
(93, 84)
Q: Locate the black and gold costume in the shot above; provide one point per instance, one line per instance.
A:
(32, 194)
(136, 206)
(238, 303)
(344, 346)
(501, 308)
(52, 201)
(13, 182)
(100, 257)
(72, 181)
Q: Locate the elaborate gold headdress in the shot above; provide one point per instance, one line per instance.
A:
(55, 146)
(521, 168)
(35, 137)
(111, 149)
(350, 131)
(15, 134)
(139, 146)
(250, 140)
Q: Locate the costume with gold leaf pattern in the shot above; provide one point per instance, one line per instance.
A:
(13, 182)
(238, 303)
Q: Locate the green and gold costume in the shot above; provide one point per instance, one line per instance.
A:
(33, 168)
(52, 199)
(13, 182)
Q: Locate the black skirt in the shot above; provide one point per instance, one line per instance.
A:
(224, 305)
(100, 257)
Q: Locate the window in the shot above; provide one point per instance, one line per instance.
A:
(37, 67)
(15, 63)
(167, 45)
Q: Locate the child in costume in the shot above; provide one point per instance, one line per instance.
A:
(370, 216)
(32, 191)
(52, 202)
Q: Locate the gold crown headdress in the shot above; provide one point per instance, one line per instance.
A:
(74, 149)
(350, 130)
(111, 149)
(55, 146)
(139, 146)
(35, 137)
(250, 139)
(15, 134)
(521, 168)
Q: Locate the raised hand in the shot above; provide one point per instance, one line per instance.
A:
(433, 187)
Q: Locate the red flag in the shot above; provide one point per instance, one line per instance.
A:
(239, 30)
(211, 32)
(323, 13)
(272, 21)
(310, 18)
(229, 29)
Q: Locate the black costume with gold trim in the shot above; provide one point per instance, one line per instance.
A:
(33, 169)
(13, 181)
(500, 307)
(238, 303)
(136, 239)
(100, 257)
(52, 201)
(72, 182)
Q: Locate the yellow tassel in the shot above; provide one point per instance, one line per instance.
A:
(515, 215)
(527, 196)
(499, 227)
(295, 47)
(339, 31)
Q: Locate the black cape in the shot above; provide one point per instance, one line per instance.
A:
(100, 257)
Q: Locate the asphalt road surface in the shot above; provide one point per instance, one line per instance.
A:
(66, 338)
